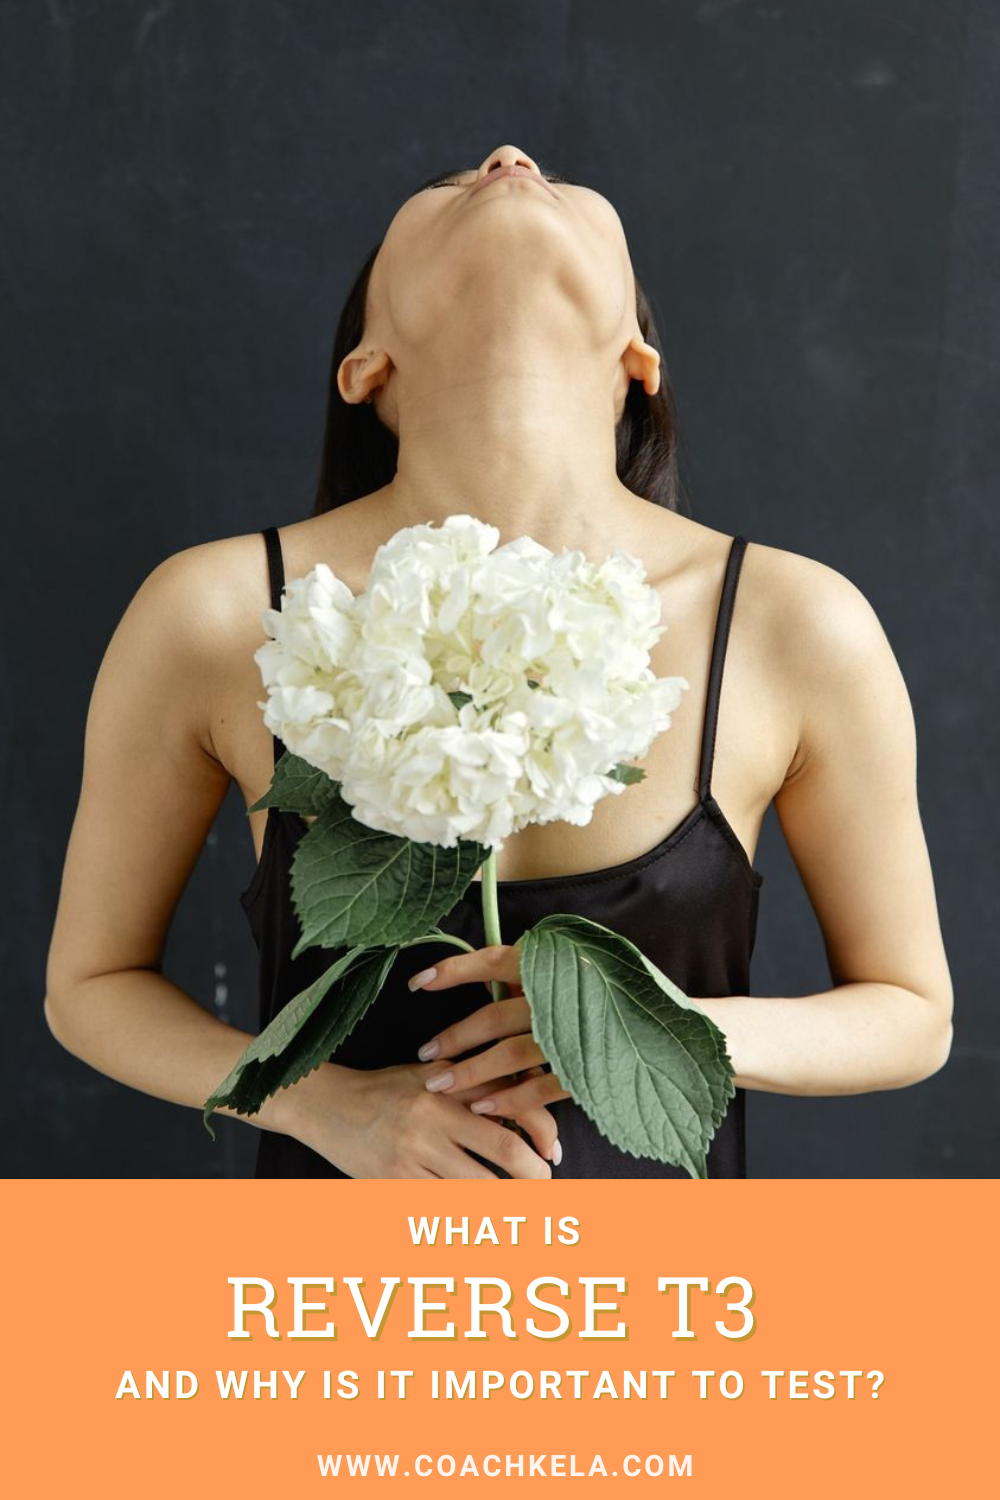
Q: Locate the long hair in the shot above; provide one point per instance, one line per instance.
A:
(360, 452)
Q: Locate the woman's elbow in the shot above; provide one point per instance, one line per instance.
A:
(57, 1018)
(52, 1020)
(939, 1050)
(933, 1040)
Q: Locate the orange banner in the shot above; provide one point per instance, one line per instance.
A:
(754, 1337)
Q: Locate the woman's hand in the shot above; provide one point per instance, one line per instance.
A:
(512, 1078)
(383, 1122)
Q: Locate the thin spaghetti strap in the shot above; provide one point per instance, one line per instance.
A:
(275, 564)
(722, 624)
(276, 577)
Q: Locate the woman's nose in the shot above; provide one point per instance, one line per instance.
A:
(507, 156)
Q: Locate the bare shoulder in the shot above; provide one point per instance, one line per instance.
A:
(208, 587)
(817, 624)
(184, 638)
(787, 601)
(828, 644)
(197, 617)
(819, 620)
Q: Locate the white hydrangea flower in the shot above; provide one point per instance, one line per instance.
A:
(548, 652)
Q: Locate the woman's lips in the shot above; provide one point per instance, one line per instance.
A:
(508, 172)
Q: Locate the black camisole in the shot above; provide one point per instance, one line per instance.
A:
(690, 904)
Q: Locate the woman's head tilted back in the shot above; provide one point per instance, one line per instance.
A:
(490, 280)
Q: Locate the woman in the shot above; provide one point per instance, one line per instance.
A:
(497, 357)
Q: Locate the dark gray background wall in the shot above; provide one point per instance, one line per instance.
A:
(810, 195)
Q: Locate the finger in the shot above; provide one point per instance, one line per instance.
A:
(498, 961)
(504, 1147)
(498, 1018)
(542, 1129)
(481, 1090)
(511, 1055)
(513, 1100)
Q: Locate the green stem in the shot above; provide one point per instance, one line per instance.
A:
(437, 936)
(491, 927)
(491, 918)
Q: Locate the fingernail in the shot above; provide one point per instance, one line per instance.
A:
(424, 977)
(483, 1106)
(441, 1081)
(556, 1153)
(429, 1050)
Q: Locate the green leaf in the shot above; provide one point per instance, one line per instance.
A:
(719, 1078)
(460, 699)
(356, 886)
(628, 774)
(641, 1059)
(296, 786)
(305, 1032)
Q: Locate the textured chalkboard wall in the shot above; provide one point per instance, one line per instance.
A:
(810, 193)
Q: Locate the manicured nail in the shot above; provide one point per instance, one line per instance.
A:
(556, 1153)
(429, 1050)
(441, 1081)
(424, 977)
(483, 1106)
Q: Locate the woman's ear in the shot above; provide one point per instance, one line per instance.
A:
(361, 374)
(642, 362)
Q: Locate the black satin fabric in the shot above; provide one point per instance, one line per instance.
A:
(689, 904)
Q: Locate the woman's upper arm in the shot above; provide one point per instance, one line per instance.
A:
(150, 786)
(849, 811)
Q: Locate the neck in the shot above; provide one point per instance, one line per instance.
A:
(528, 453)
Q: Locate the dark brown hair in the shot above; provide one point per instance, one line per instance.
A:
(359, 451)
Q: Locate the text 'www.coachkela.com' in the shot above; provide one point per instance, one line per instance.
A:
(503, 1466)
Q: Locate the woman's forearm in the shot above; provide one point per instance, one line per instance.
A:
(144, 1031)
(852, 1039)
